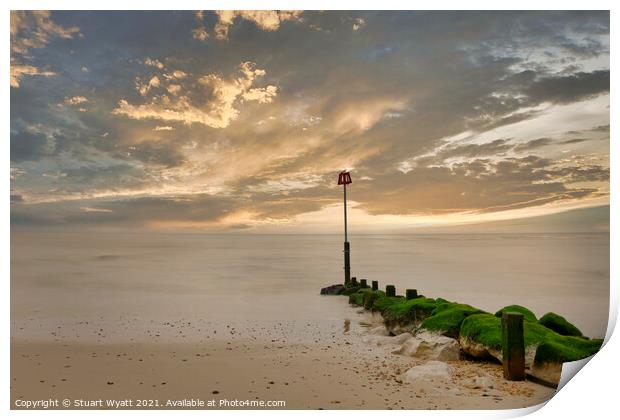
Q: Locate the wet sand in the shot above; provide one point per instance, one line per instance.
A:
(308, 365)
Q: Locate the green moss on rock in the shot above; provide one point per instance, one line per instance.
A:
(527, 314)
(559, 348)
(371, 296)
(356, 299)
(408, 311)
(486, 329)
(447, 318)
(559, 324)
(350, 289)
(382, 302)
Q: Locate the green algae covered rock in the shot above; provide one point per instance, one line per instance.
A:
(481, 335)
(356, 298)
(561, 348)
(409, 311)
(447, 318)
(559, 324)
(527, 314)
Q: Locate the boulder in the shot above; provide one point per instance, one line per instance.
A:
(527, 314)
(547, 371)
(430, 346)
(334, 289)
(559, 324)
(429, 371)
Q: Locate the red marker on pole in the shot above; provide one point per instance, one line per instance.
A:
(344, 178)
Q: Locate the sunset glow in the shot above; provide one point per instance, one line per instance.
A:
(241, 120)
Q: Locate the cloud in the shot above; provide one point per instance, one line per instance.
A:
(461, 108)
(561, 89)
(573, 141)
(358, 24)
(267, 20)
(35, 29)
(32, 30)
(220, 109)
(29, 146)
(156, 153)
(533, 144)
(18, 71)
(74, 100)
(153, 62)
(135, 212)
(479, 186)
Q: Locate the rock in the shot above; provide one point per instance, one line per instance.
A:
(430, 370)
(396, 329)
(527, 314)
(334, 289)
(378, 331)
(482, 351)
(430, 346)
(389, 340)
(480, 382)
(479, 350)
(547, 371)
(559, 324)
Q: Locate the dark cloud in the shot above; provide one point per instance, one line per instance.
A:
(29, 146)
(573, 141)
(151, 152)
(567, 89)
(533, 144)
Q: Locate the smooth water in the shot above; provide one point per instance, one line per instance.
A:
(68, 277)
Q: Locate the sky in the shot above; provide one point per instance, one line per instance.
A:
(241, 120)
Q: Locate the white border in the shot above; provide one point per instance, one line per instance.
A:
(591, 393)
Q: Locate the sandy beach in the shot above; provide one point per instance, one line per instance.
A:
(306, 365)
(179, 317)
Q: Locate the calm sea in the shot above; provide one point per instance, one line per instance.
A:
(60, 278)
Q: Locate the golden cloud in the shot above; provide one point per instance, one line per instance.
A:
(218, 112)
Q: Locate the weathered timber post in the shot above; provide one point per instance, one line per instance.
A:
(411, 294)
(344, 178)
(375, 285)
(513, 346)
(363, 283)
(390, 291)
(354, 281)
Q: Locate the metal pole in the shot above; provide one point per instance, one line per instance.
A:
(347, 263)
(345, 213)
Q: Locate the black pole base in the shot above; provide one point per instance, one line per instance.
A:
(347, 264)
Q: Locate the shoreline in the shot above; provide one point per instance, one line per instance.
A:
(276, 365)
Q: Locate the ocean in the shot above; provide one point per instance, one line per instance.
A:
(68, 281)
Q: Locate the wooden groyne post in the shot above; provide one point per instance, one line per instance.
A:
(363, 283)
(390, 291)
(411, 294)
(375, 285)
(513, 346)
